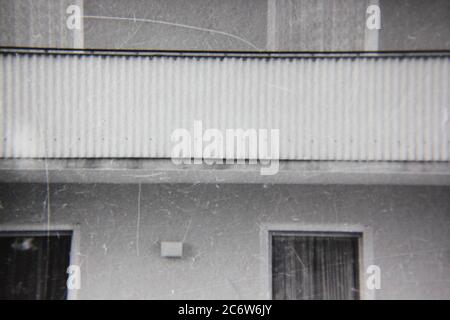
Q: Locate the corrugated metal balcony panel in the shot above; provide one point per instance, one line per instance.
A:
(65, 106)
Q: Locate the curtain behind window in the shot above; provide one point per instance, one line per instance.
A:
(34, 267)
(315, 267)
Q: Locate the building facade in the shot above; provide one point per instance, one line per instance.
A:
(93, 196)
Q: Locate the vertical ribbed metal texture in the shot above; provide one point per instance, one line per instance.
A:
(68, 106)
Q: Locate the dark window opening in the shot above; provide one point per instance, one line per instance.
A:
(315, 266)
(33, 265)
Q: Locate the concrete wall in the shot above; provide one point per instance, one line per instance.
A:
(178, 25)
(407, 233)
(415, 25)
(38, 23)
(228, 25)
(337, 25)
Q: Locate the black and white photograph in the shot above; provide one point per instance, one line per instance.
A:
(224, 150)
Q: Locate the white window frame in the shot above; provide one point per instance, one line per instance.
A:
(365, 249)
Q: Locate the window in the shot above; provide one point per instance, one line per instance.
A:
(311, 266)
(33, 265)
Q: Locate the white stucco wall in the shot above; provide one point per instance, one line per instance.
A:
(223, 226)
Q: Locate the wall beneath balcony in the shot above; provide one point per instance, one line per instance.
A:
(221, 225)
(226, 25)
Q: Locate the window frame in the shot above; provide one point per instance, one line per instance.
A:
(43, 229)
(316, 234)
(365, 252)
